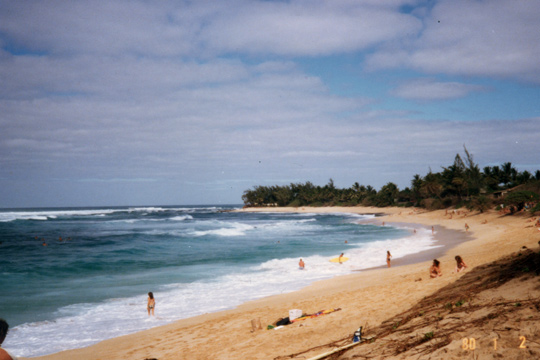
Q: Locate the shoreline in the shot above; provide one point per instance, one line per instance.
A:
(445, 240)
(382, 292)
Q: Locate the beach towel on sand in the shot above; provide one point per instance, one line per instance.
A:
(319, 313)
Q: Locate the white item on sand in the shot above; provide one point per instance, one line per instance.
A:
(294, 314)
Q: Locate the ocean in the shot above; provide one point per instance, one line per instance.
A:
(90, 282)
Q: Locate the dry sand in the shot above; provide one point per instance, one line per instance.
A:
(492, 311)
(366, 298)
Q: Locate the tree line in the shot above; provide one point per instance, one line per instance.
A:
(460, 184)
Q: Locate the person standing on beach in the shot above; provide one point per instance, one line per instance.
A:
(435, 269)
(151, 303)
(466, 227)
(388, 257)
(4, 355)
(301, 264)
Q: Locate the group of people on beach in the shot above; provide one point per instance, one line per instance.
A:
(435, 268)
(302, 265)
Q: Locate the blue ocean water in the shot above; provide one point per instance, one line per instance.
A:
(90, 281)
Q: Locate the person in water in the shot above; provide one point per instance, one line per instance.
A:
(435, 269)
(151, 303)
(388, 258)
(301, 264)
(4, 355)
(460, 264)
(339, 259)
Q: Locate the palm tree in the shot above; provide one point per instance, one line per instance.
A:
(473, 175)
(523, 177)
(508, 173)
(432, 186)
(490, 178)
(416, 184)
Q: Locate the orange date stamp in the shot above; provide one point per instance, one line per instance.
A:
(470, 343)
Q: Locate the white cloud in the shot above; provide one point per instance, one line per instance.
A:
(191, 29)
(31, 77)
(199, 92)
(474, 38)
(306, 28)
(429, 90)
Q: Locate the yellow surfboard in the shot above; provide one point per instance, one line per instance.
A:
(336, 260)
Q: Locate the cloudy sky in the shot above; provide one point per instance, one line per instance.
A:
(192, 102)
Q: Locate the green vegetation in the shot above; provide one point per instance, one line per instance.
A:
(461, 184)
(518, 200)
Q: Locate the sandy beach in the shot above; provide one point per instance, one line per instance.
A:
(366, 298)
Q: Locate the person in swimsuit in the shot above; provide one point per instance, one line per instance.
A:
(301, 264)
(388, 258)
(151, 303)
(340, 256)
(435, 269)
(460, 264)
(4, 355)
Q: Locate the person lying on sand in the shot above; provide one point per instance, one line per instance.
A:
(435, 269)
(460, 264)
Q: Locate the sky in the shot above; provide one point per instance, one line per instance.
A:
(130, 103)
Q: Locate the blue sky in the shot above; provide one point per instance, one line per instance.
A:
(193, 102)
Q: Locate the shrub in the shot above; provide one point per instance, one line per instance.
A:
(432, 204)
(295, 203)
(520, 198)
(481, 203)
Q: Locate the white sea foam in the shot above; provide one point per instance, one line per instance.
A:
(233, 229)
(115, 317)
(275, 228)
(146, 209)
(50, 214)
(6, 216)
(181, 218)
